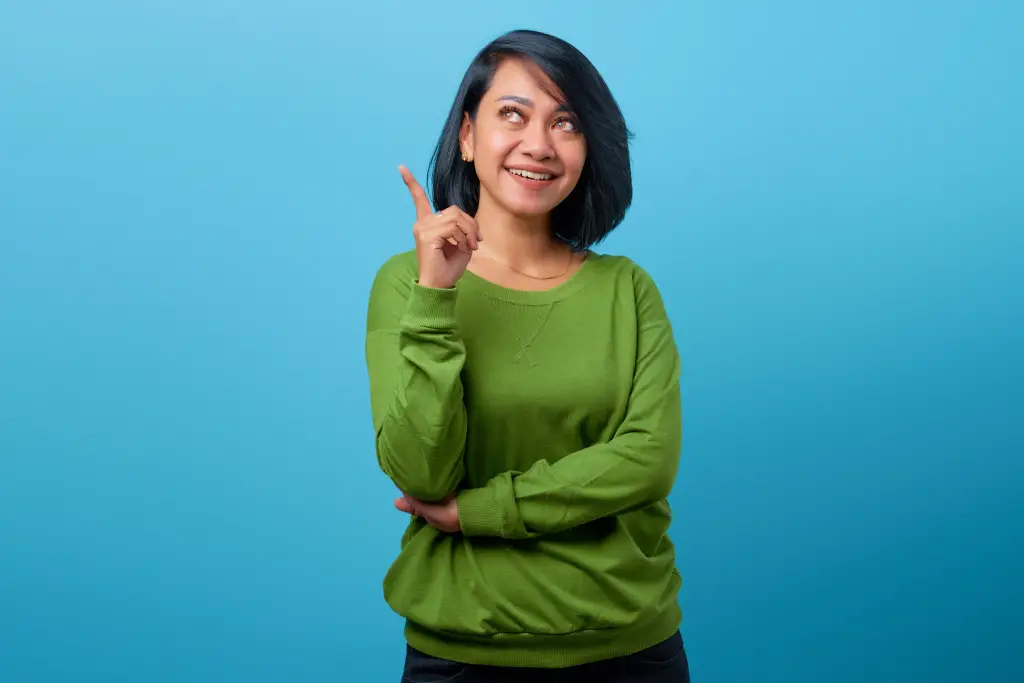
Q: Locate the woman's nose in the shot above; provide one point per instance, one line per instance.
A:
(537, 142)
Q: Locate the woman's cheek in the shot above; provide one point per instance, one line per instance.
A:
(500, 144)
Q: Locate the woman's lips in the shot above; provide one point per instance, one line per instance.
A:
(530, 179)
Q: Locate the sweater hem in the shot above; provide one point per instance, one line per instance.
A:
(545, 651)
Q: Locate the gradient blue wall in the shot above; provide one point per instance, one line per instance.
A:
(195, 195)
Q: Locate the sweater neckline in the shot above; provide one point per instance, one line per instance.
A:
(535, 297)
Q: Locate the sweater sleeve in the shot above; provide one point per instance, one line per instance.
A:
(414, 356)
(635, 468)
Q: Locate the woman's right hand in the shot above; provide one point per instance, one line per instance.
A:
(445, 241)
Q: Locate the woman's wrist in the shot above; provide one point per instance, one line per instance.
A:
(432, 284)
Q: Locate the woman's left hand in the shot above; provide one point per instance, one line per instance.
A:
(443, 515)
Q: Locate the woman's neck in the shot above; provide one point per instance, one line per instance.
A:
(517, 240)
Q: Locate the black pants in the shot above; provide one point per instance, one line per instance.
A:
(662, 663)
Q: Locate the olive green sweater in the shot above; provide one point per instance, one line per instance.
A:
(555, 416)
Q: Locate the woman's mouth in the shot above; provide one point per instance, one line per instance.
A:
(530, 177)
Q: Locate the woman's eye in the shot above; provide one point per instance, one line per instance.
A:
(566, 124)
(512, 115)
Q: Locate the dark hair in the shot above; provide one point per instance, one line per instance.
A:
(604, 192)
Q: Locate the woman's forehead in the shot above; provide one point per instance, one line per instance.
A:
(519, 78)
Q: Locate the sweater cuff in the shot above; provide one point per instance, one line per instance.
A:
(479, 512)
(431, 308)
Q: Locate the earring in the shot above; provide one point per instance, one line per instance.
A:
(465, 158)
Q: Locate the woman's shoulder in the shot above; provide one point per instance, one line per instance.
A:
(628, 274)
(397, 271)
(401, 264)
(392, 284)
(621, 267)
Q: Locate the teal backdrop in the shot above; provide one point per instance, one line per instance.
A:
(194, 196)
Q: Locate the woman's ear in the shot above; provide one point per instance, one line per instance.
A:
(466, 138)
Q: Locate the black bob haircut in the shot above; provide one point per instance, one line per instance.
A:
(604, 192)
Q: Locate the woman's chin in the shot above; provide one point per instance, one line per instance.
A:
(527, 207)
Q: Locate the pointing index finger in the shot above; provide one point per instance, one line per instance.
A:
(419, 196)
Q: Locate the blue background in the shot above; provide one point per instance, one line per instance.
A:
(194, 197)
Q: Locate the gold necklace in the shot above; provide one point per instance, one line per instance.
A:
(532, 277)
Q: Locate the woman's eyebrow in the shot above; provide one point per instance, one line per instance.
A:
(527, 102)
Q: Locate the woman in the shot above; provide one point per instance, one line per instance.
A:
(525, 393)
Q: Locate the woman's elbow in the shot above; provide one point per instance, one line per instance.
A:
(421, 482)
(428, 492)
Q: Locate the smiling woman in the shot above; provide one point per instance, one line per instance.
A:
(526, 143)
(525, 393)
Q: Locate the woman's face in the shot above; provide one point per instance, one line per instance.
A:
(524, 144)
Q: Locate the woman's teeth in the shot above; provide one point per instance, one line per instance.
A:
(529, 174)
